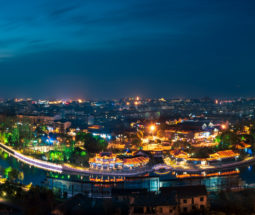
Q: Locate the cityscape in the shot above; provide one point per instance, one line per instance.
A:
(181, 155)
(127, 107)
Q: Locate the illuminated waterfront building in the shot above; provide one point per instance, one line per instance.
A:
(109, 161)
(224, 154)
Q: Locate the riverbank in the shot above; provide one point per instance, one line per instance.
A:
(68, 169)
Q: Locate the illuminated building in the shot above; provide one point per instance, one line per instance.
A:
(165, 146)
(224, 154)
(105, 160)
(135, 162)
(203, 134)
(179, 154)
(117, 145)
(39, 118)
(109, 161)
(243, 145)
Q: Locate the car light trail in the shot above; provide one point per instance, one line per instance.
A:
(31, 161)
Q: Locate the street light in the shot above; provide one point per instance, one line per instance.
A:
(152, 128)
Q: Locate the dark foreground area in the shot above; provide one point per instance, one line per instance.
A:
(17, 199)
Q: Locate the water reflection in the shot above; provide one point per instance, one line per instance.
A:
(31, 174)
(95, 184)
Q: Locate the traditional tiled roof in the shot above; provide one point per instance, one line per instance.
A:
(179, 153)
(135, 160)
(243, 145)
(224, 154)
(111, 158)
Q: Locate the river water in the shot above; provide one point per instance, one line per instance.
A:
(246, 178)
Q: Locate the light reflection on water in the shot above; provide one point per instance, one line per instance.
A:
(37, 176)
(31, 174)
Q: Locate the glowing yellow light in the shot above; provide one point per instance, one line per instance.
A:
(223, 126)
(137, 98)
(152, 128)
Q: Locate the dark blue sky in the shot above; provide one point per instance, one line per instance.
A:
(109, 49)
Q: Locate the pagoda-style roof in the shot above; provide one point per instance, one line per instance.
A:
(224, 154)
(179, 153)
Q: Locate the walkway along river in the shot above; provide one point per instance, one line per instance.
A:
(66, 168)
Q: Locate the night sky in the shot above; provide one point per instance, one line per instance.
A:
(111, 49)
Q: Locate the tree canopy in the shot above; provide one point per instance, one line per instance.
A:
(93, 144)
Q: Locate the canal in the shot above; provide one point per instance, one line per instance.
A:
(73, 184)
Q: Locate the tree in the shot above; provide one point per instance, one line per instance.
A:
(228, 140)
(93, 144)
(136, 142)
(202, 152)
(55, 155)
(11, 174)
(181, 145)
(79, 157)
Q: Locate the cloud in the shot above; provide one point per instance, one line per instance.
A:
(114, 48)
(63, 11)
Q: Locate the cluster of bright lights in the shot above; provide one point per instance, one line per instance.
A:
(104, 136)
